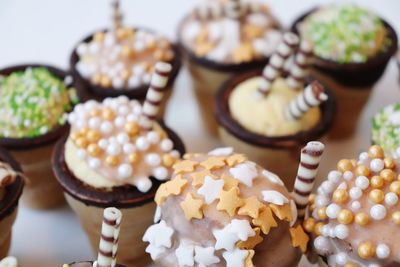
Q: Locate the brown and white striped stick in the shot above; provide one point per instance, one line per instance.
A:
(109, 238)
(116, 14)
(155, 94)
(301, 64)
(312, 96)
(234, 9)
(308, 168)
(277, 61)
(209, 12)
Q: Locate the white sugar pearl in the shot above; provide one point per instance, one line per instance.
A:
(362, 182)
(119, 121)
(123, 99)
(332, 210)
(334, 176)
(109, 40)
(71, 118)
(146, 78)
(103, 143)
(139, 46)
(348, 175)
(341, 231)
(355, 205)
(355, 193)
(128, 148)
(153, 137)
(94, 123)
(376, 165)
(341, 258)
(81, 153)
(391, 199)
(123, 110)
(166, 145)
(131, 117)
(382, 251)
(321, 201)
(373, 265)
(94, 48)
(363, 156)
(90, 104)
(398, 152)
(81, 49)
(117, 82)
(106, 127)
(138, 70)
(332, 232)
(175, 154)
(153, 159)
(328, 187)
(161, 173)
(325, 230)
(143, 184)
(142, 143)
(122, 138)
(125, 171)
(80, 124)
(113, 149)
(94, 163)
(322, 244)
(134, 81)
(378, 212)
(137, 109)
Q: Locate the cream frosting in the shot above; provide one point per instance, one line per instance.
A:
(9, 262)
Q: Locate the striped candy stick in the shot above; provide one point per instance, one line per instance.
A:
(308, 168)
(312, 96)
(155, 94)
(277, 61)
(116, 14)
(109, 238)
(301, 64)
(234, 9)
(209, 11)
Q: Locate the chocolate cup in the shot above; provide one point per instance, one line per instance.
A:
(87, 90)
(87, 264)
(121, 197)
(355, 74)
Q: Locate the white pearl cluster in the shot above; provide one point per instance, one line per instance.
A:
(150, 146)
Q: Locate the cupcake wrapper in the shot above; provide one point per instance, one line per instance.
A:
(5, 233)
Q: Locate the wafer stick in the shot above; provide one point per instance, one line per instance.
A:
(233, 9)
(116, 14)
(209, 12)
(301, 64)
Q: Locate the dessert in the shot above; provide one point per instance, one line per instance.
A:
(9, 262)
(269, 116)
(355, 216)
(33, 100)
(117, 154)
(224, 38)
(120, 61)
(220, 209)
(11, 185)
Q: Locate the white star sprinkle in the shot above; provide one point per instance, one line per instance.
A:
(242, 229)
(155, 251)
(245, 173)
(222, 151)
(210, 189)
(274, 197)
(272, 177)
(205, 256)
(225, 238)
(159, 235)
(235, 258)
(157, 215)
(184, 254)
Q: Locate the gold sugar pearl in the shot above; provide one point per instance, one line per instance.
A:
(377, 196)
(353, 162)
(107, 114)
(112, 160)
(133, 157)
(75, 136)
(318, 228)
(311, 198)
(98, 36)
(151, 44)
(395, 187)
(312, 207)
(121, 33)
(396, 217)
(340, 196)
(345, 216)
(309, 225)
(93, 136)
(389, 163)
(344, 165)
(126, 51)
(376, 152)
(351, 264)
(388, 175)
(158, 54)
(361, 218)
(362, 170)
(132, 128)
(95, 112)
(168, 56)
(366, 250)
(96, 78)
(125, 74)
(321, 212)
(377, 181)
(82, 142)
(84, 130)
(105, 81)
(168, 160)
(94, 150)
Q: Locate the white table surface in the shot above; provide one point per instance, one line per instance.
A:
(46, 30)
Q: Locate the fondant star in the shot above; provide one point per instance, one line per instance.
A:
(274, 197)
(235, 159)
(176, 185)
(265, 220)
(192, 207)
(251, 207)
(245, 173)
(283, 212)
(225, 238)
(210, 189)
(155, 251)
(252, 241)
(249, 259)
(157, 215)
(222, 151)
(198, 177)
(205, 256)
(242, 229)
(161, 194)
(235, 258)
(184, 254)
(299, 238)
(229, 181)
(213, 163)
(185, 166)
(272, 177)
(230, 201)
(159, 235)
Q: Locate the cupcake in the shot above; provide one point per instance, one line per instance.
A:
(116, 154)
(84, 264)
(11, 185)
(120, 61)
(220, 209)
(9, 262)
(269, 116)
(224, 38)
(352, 47)
(355, 217)
(33, 100)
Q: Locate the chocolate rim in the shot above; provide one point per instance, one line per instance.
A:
(85, 87)
(14, 190)
(214, 65)
(121, 196)
(374, 63)
(33, 142)
(91, 262)
(225, 119)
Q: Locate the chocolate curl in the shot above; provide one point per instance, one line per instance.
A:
(155, 94)
(277, 61)
(312, 96)
(234, 9)
(301, 64)
(305, 179)
(109, 238)
(116, 14)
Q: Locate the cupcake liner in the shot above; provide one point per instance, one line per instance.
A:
(5, 233)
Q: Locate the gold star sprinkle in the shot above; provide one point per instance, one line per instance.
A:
(251, 242)
(198, 177)
(251, 207)
(213, 163)
(185, 166)
(161, 194)
(265, 220)
(230, 201)
(282, 212)
(299, 238)
(192, 207)
(235, 159)
(230, 182)
(249, 259)
(176, 185)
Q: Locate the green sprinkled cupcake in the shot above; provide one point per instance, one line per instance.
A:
(32, 103)
(386, 129)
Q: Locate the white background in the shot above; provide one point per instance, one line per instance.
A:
(46, 30)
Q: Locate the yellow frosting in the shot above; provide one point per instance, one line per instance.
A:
(266, 115)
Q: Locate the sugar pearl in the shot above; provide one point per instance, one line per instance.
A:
(377, 165)
(142, 143)
(344, 165)
(134, 81)
(348, 175)
(322, 244)
(332, 210)
(128, 148)
(378, 212)
(143, 184)
(119, 121)
(391, 199)
(362, 182)
(341, 258)
(81, 153)
(355, 205)
(363, 156)
(122, 138)
(117, 82)
(382, 251)
(334, 176)
(94, 123)
(328, 187)
(321, 201)
(106, 127)
(153, 159)
(123, 110)
(131, 118)
(103, 143)
(341, 231)
(340, 196)
(366, 250)
(125, 171)
(153, 137)
(160, 173)
(374, 265)
(361, 218)
(376, 152)
(81, 49)
(396, 217)
(355, 193)
(325, 230)
(113, 149)
(94, 163)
